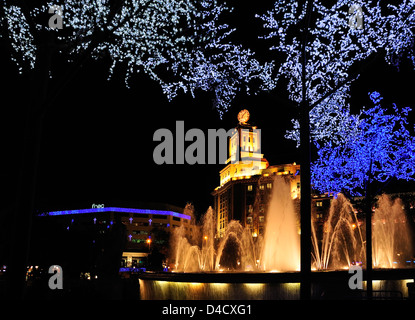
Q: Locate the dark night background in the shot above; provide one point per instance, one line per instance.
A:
(98, 144)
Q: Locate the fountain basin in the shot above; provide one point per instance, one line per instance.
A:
(390, 283)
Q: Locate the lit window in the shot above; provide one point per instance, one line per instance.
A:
(261, 187)
(250, 188)
(319, 203)
(269, 185)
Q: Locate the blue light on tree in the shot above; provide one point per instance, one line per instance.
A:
(378, 143)
(333, 48)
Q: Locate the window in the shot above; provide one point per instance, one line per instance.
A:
(138, 240)
(261, 218)
(250, 187)
(269, 185)
(319, 203)
(140, 232)
(249, 220)
(261, 187)
(176, 218)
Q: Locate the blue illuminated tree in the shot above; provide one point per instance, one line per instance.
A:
(335, 51)
(336, 48)
(376, 144)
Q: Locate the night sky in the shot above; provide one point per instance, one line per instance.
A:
(97, 144)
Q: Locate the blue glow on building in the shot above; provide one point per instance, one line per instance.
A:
(115, 209)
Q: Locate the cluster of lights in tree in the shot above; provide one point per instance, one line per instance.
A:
(330, 120)
(21, 39)
(179, 43)
(333, 47)
(182, 45)
(378, 147)
(348, 144)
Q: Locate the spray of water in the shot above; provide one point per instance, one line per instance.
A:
(342, 242)
(281, 241)
(390, 233)
(337, 243)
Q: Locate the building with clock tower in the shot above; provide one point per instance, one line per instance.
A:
(247, 179)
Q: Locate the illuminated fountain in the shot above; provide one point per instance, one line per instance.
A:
(194, 254)
(342, 243)
(281, 248)
(392, 243)
(240, 266)
(278, 250)
(237, 250)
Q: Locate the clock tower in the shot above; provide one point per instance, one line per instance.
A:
(247, 180)
(245, 157)
(243, 167)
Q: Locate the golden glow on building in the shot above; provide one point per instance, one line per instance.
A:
(245, 157)
(248, 177)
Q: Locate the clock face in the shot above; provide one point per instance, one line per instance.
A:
(243, 116)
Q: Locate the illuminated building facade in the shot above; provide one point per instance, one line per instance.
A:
(247, 180)
(245, 198)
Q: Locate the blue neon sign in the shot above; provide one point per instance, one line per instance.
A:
(115, 209)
